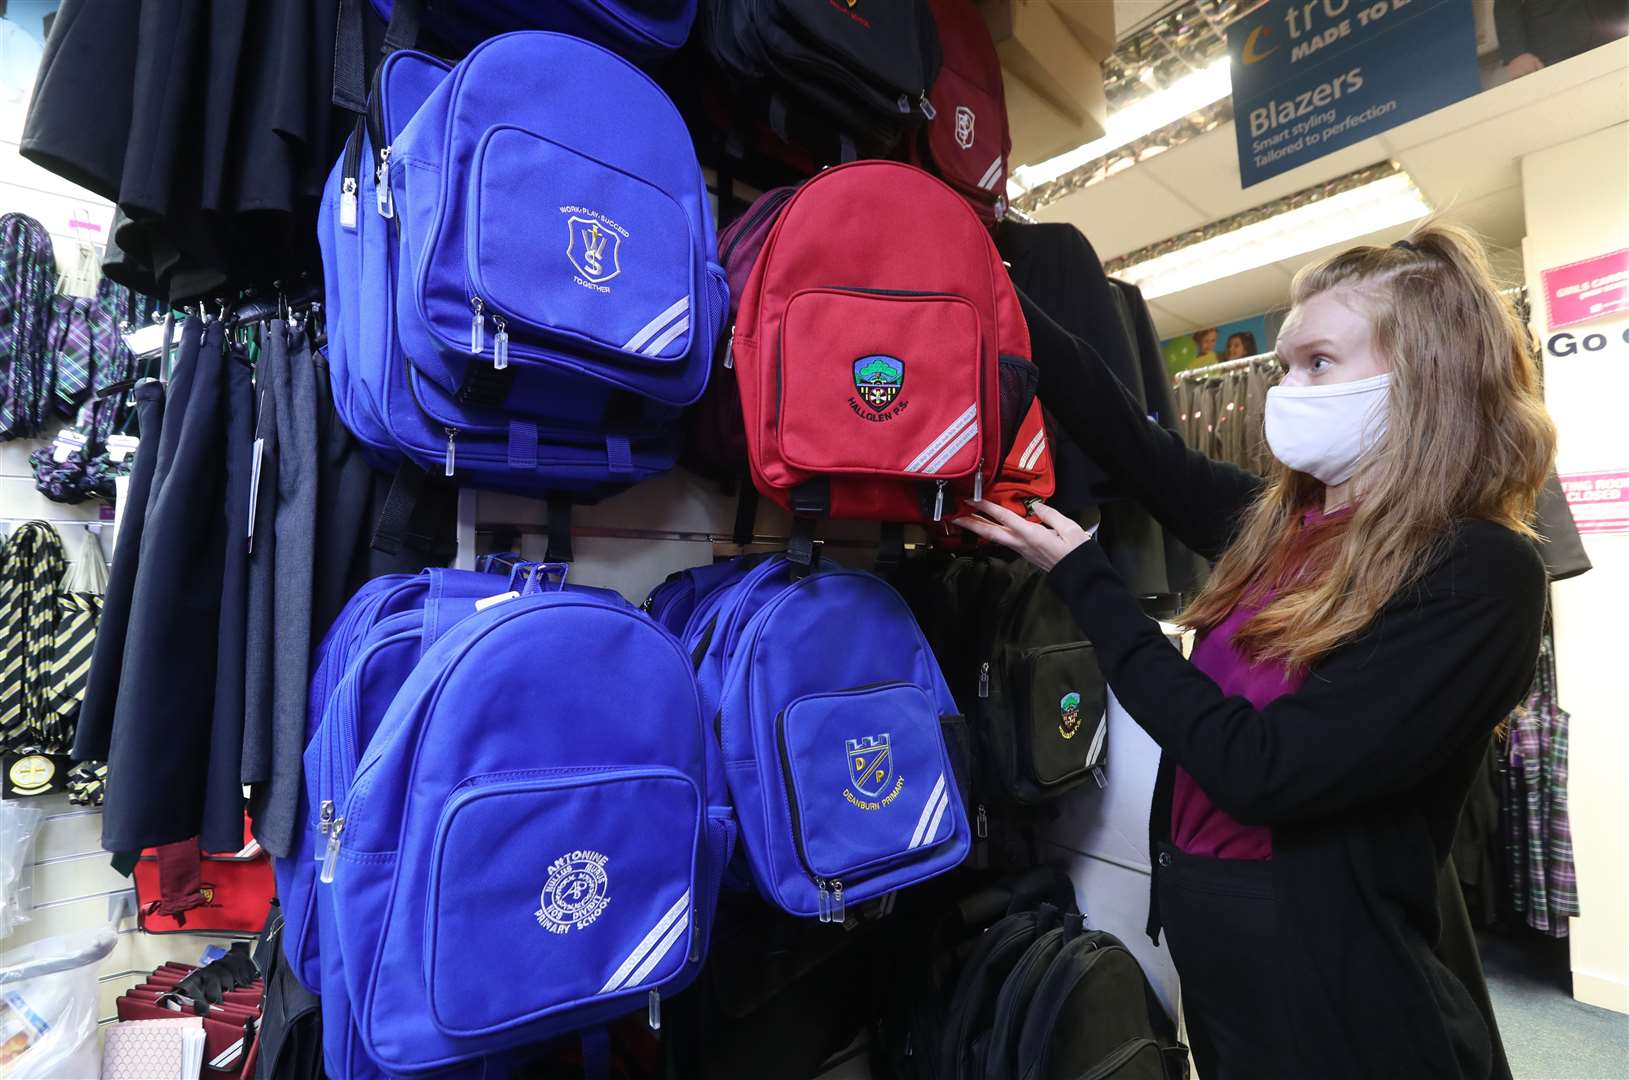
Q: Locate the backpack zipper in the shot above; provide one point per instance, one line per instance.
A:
(387, 208)
(452, 451)
(831, 908)
(331, 857)
(347, 184)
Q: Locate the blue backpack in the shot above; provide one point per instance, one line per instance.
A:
(499, 826)
(385, 399)
(558, 256)
(640, 30)
(829, 706)
(428, 600)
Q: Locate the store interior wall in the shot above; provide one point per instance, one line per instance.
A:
(1575, 209)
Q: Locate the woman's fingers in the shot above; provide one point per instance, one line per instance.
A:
(1052, 518)
(1000, 515)
(982, 527)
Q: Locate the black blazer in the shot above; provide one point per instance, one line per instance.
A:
(1360, 774)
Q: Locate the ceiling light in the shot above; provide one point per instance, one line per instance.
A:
(1187, 94)
(1357, 211)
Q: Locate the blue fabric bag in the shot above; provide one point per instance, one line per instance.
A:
(638, 30)
(500, 824)
(390, 406)
(830, 719)
(558, 251)
(430, 595)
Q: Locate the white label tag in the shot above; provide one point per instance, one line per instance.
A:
(67, 442)
(492, 601)
(254, 488)
(120, 447)
(146, 341)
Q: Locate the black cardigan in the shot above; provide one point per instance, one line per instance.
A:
(1360, 774)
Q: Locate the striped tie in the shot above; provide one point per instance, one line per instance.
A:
(31, 567)
(73, 353)
(77, 616)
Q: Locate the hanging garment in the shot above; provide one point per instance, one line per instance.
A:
(207, 124)
(1562, 549)
(273, 803)
(160, 783)
(31, 567)
(225, 794)
(28, 277)
(260, 635)
(1544, 881)
(107, 658)
(88, 573)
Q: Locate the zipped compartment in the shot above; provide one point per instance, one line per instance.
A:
(555, 881)
(1128, 1052)
(564, 250)
(967, 156)
(867, 783)
(1059, 712)
(883, 73)
(880, 382)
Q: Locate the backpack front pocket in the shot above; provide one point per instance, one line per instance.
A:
(875, 381)
(867, 783)
(1060, 698)
(560, 889)
(968, 149)
(562, 247)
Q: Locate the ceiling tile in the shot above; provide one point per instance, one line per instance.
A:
(1124, 212)
(1233, 297)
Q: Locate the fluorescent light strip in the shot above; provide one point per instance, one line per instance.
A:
(1358, 211)
(1188, 94)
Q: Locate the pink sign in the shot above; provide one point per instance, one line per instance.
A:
(1585, 290)
(1599, 501)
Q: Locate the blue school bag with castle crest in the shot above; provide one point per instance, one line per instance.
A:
(829, 712)
(558, 256)
(579, 828)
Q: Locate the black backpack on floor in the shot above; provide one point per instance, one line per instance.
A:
(1093, 1016)
(865, 68)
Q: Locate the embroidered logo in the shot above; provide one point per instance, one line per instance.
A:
(594, 246)
(871, 772)
(964, 127)
(576, 893)
(1069, 713)
(878, 380)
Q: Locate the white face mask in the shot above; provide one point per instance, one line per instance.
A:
(1324, 431)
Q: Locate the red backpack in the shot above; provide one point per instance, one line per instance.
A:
(868, 347)
(968, 142)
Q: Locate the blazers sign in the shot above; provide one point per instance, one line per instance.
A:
(1312, 76)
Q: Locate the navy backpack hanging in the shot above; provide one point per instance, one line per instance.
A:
(637, 29)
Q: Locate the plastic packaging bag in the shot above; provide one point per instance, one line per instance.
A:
(48, 1007)
(18, 825)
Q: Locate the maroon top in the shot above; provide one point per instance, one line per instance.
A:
(1198, 826)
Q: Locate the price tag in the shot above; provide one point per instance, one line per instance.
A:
(120, 447)
(68, 441)
(146, 341)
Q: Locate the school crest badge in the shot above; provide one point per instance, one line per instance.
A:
(878, 379)
(593, 249)
(870, 764)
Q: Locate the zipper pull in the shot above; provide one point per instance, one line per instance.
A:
(926, 106)
(824, 906)
(695, 937)
(653, 1010)
(477, 326)
(500, 344)
(978, 482)
(982, 824)
(331, 856)
(347, 203)
(452, 451)
(729, 350)
(903, 104)
(381, 177)
(939, 501)
(1097, 774)
(326, 820)
(984, 679)
(839, 910)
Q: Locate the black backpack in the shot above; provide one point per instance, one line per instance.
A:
(1022, 673)
(934, 958)
(1002, 1002)
(1093, 1016)
(863, 65)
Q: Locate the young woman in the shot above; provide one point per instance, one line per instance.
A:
(1374, 612)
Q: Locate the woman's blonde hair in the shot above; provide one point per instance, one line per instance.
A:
(1467, 437)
